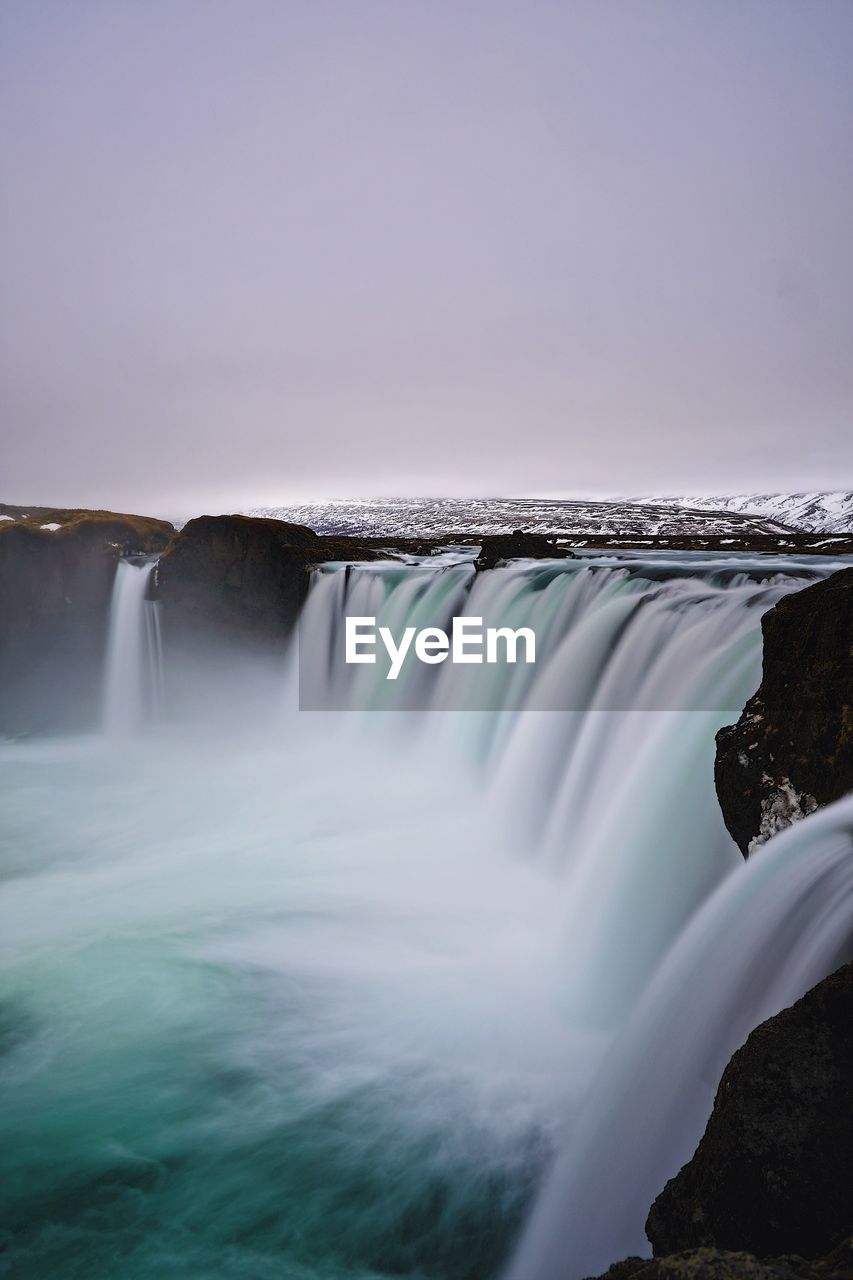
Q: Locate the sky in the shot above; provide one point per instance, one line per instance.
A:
(263, 250)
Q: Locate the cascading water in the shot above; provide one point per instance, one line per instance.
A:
(351, 996)
(133, 677)
(767, 935)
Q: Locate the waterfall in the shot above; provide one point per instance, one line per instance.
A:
(616, 635)
(601, 759)
(766, 936)
(438, 981)
(133, 675)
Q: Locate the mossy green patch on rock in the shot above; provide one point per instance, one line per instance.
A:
(123, 532)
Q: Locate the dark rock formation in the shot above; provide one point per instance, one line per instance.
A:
(773, 1173)
(792, 748)
(517, 545)
(240, 576)
(236, 574)
(230, 588)
(55, 588)
(720, 1264)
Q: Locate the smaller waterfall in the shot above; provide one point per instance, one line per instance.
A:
(133, 681)
(766, 935)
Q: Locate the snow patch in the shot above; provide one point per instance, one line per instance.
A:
(52, 528)
(815, 512)
(782, 808)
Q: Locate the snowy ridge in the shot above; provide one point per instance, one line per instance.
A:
(818, 512)
(421, 517)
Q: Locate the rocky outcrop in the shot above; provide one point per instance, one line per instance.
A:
(792, 748)
(236, 574)
(768, 1194)
(240, 576)
(230, 590)
(773, 1173)
(721, 1264)
(56, 578)
(519, 545)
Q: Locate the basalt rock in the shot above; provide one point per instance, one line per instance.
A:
(519, 545)
(230, 589)
(792, 748)
(235, 574)
(240, 576)
(721, 1264)
(55, 589)
(773, 1173)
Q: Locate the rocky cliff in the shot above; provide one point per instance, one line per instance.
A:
(773, 1173)
(768, 1194)
(792, 748)
(238, 576)
(56, 576)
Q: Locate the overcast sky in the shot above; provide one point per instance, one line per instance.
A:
(255, 250)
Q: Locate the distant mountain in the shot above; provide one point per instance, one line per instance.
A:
(421, 517)
(818, 512)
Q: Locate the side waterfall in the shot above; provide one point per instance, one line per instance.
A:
(133, 676)
(768, 934)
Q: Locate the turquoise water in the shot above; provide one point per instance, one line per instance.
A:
(239, 1042)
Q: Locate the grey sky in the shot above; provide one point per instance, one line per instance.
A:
(254, 249)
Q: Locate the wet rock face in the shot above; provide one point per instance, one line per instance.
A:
(236, 575)
(792, 748)
(230, 589)
(240, 577)
(55, 590)
(519, 545)
(773, 1173)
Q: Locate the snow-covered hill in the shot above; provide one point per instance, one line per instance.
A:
(421, 517)
(813, 512)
